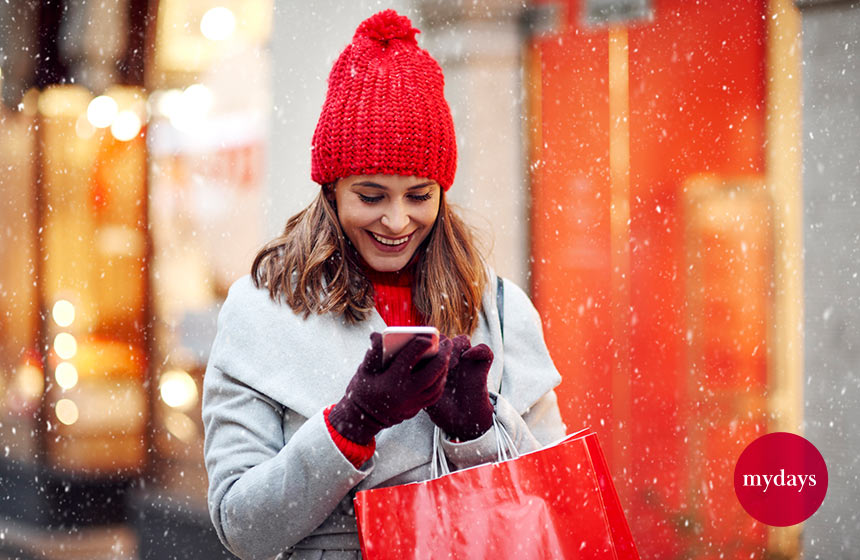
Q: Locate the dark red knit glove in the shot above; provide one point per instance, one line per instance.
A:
(378, 397)
(464, 411)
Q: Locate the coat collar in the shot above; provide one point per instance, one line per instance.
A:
(302, 363)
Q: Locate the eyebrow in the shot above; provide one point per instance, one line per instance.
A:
(383, 187)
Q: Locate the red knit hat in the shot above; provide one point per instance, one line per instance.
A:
(385, 110)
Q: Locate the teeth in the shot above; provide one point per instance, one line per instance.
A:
(386, 241)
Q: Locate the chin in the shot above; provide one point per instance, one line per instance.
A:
(384, 265)
(380, 263)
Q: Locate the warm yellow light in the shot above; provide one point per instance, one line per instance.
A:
(191, 107)
(63, 313)
(65, 346)
(67, 101)
(84, 128)
(197, 96)
(168, 102)
(218, 24)
(178, 389)
(101, 111)
(125, 126)
(66, 411)
(28, 382)
(66, 375)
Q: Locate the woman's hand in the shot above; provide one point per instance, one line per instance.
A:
(464, 411)
(378, 397)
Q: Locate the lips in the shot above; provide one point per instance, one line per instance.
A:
(389, 244)
(390, 241)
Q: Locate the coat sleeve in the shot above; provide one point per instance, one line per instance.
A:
(527, 406)
(267, 489)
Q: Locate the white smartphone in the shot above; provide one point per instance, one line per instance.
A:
(395, 338)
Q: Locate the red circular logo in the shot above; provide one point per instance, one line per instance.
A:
(780, 479)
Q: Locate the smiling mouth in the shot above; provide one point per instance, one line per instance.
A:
(391, 242)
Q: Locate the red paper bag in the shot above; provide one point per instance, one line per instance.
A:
(557, 502)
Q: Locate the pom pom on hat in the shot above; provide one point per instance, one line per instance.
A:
(385, 110)
(386, 26)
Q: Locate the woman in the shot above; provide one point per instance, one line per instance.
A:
(299, 413)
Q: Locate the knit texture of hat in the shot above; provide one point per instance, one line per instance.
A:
(385, 110)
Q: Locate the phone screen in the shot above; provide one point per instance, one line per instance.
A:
(395, 338)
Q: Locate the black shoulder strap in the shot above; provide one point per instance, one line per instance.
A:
(500, 304)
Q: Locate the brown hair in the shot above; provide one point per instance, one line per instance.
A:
(313, 267)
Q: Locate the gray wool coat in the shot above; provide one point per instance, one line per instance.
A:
(278, 485)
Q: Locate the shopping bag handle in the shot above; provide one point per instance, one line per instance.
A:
(505, 449)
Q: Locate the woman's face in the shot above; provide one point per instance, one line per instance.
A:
(386, 217)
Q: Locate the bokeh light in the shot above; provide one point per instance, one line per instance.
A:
(181, 426)
(28, 382)
(63, 312)
(167, 102)
(66, 411)
(65, 346)
(101, 111)
(126, 126)
(66, 375)
(189, 109)
(178, 389)
(218, 24)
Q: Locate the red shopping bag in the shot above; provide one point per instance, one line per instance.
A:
(557, 502)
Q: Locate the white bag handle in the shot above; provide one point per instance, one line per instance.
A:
(505, 449)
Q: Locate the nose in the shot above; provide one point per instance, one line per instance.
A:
(395, 218)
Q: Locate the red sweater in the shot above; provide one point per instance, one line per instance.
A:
(392, 295)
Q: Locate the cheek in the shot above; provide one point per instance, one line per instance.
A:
(357, 217)
(427, 220)
(428, 217)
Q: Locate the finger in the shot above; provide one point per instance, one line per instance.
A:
(479, 353)
(434, 369)
(373, 357)
(411, 353)
(461, 344)
(431, 397)
(443, 339)
(446, 348)
(436, 390)
(432, 394)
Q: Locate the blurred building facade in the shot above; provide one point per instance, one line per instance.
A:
(136, 167)
(831, 242)
(636, 165)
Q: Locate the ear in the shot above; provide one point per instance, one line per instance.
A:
(328, 193)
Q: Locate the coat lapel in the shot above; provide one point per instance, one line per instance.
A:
(304, 364)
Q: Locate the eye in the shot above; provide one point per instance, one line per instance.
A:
(369, 199)
(421, 197)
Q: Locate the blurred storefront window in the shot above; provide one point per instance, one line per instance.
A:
(22, 376)
(93, 278)
(128, 212)
(210, 104)
(74, 365)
